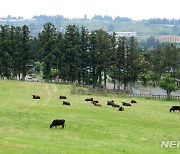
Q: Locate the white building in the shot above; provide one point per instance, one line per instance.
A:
(126, 34)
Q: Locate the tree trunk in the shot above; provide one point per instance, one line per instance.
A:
(83, 77)
(168, 95)
(93, 78)
(100, 77)
(105, 77)
(19, 74)
(114, 82)
(24, 73)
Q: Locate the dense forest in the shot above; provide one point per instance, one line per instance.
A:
(83, 57)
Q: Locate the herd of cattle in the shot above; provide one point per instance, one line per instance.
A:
(110, 103)
(61, 122)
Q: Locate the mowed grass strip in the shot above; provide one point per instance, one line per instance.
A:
(24, 122)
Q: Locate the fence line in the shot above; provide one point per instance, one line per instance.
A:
(119, 91)
(154, 96)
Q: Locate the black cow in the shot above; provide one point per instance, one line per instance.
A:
(133, 101)
(57, 122)
(126, 104)
(121, 109)
(89, 99)
(66, 103)
(174, 108)
(62, 97)
(36, 97)
(110, 102)
(94, 102)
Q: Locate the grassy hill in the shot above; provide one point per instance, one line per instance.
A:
(24, 122)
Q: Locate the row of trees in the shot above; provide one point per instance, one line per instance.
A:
(14, 51)
(151, 42)
(109, 18)
(60, 18)
(77, 55)
(86, 58)
(53, 19)
(162, 21)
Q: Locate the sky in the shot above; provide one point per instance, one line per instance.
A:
(135, 9)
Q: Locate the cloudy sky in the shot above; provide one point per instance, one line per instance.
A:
(135, 9)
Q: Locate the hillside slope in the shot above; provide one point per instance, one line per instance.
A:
(24, 122)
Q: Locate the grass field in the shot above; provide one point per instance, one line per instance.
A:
(24, 122)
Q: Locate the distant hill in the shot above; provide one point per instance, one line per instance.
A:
(143, 28)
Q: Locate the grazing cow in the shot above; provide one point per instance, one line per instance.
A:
(110, 102)
(36, 97)
(126, 104)
(121, 109)
(62, 97)
(89, 99)
(97, 104)
(57, 122)
(174, 108)
(115, 105)
(66, 103)
(133, 101)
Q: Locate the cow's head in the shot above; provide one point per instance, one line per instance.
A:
(51, 126)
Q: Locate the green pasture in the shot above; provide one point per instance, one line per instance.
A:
(24, 122)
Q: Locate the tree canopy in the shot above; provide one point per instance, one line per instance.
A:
(83, 56)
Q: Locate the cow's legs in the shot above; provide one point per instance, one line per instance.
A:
(62, 125)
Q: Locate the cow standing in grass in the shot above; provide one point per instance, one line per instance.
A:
(66, 103)
(57, 122)
(174, 108)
